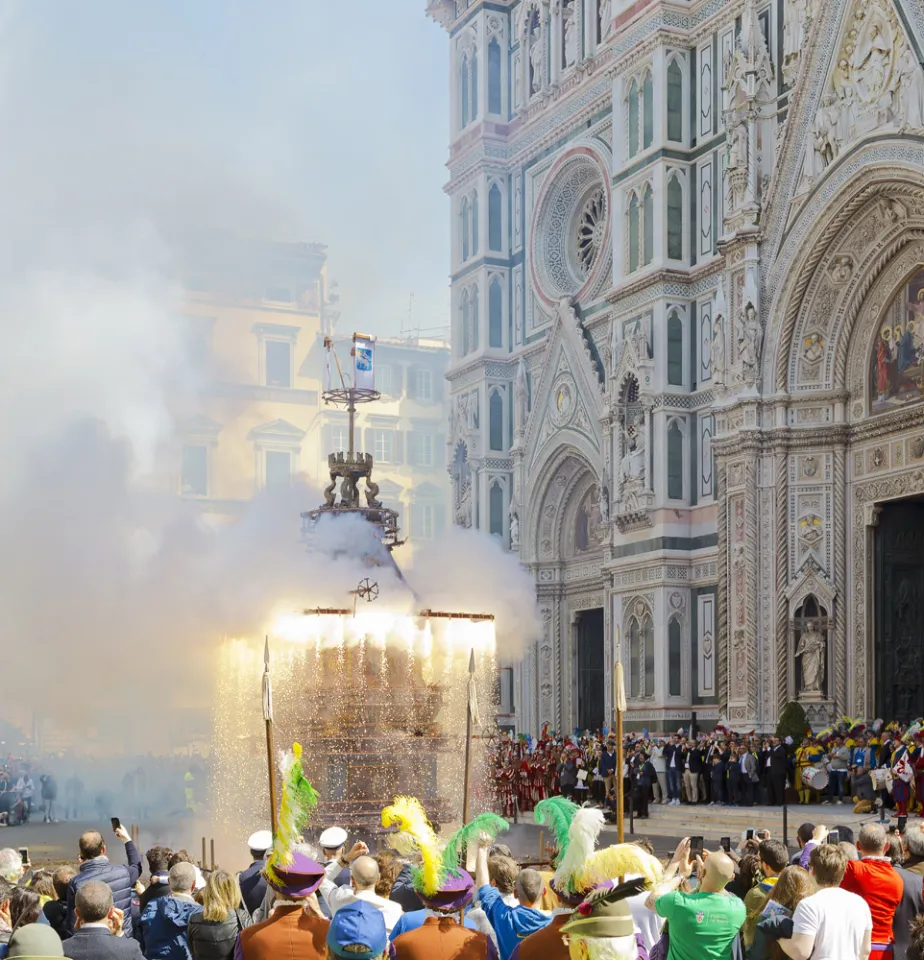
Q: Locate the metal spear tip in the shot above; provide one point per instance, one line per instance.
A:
(266, 652)
(471, 661)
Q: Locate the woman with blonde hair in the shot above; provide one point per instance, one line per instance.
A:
(775, 923)
(213, 932)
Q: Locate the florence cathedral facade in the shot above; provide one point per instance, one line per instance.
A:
(687, 371)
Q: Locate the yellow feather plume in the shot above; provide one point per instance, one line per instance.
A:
(620, 860)
(408, 815)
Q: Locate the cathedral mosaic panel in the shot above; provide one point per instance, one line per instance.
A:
(897, 369)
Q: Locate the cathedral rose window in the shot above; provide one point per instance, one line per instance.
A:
(591, 231)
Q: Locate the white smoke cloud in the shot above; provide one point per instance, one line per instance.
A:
(121, 134)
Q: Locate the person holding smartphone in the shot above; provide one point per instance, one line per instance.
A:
(706, 922)
(95, 865)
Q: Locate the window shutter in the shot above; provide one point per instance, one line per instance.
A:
(412, 383)
(397, 379)
(413, 448)
(438, 379)
(369, 440)
(397, 446)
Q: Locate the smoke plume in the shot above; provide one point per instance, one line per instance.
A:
(122, 135)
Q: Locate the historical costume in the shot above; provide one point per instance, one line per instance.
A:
(444, 887)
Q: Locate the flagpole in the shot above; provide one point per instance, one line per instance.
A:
(468, 735)
(619, 705)
(268, 720)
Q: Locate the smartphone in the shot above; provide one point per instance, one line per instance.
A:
(749, 833)
(725, 844)
(902, 822)
(834, 837)
(116, 823)
(24, 853)
(696, 847)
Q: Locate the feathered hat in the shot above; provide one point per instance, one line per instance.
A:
(582, 840)
(439, 880)
(605, 913)
(825, 736)
(289, 868)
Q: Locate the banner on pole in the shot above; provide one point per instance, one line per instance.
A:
(363, 362)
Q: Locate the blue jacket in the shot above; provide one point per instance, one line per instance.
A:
(163, 926)
(511, 924)
(120, 879)
(253, 885)
(606, 766)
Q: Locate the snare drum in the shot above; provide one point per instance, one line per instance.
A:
(815, 778)
(882, 779)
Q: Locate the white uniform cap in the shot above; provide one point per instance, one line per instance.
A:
(332, 838)
(261, 840)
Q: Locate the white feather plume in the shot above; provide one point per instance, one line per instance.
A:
(582, 841)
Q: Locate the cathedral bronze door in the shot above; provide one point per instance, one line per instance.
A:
(900, 612)
(591, 672)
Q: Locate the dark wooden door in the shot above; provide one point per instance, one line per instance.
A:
(900, 612)
(591, 671)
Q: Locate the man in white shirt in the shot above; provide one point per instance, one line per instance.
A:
(832, 924)
(364, 875)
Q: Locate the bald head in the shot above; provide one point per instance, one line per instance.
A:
(872, 840)
(719, 871)
(365, 873)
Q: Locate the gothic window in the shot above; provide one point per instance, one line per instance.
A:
(632, 114)
(464, 74)
(647, 225)
(473, 101)
(466, 320)
(647, 111)
(674, 461)
(496, 420)
(674, 217)
(635, 665)
(634, 228)
(475, 223)
(465, 227)
(475, 324)
(647, 632)
(494, 76)
(495, 314)
(497, 509)
(674, 102)
(495, 218)
(674, 350)
(674, 659)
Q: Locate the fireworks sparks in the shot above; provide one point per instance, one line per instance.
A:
(379, 701)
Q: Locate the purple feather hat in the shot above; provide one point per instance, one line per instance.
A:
(300, 877)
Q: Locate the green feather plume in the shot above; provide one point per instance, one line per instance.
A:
(299, 801)
(557, 813)
(488, 824)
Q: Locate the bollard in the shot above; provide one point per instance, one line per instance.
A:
(212, 852)
(204, 861)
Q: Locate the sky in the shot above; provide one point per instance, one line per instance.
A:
(328, 121)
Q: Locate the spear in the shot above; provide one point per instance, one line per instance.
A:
(268, 720)
(471, 717)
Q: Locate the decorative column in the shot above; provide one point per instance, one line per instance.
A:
(784, 685)
(721, 625)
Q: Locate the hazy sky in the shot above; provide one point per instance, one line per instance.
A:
(328, 121)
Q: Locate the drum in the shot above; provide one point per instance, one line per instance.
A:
(815, 778)
(882, 779)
